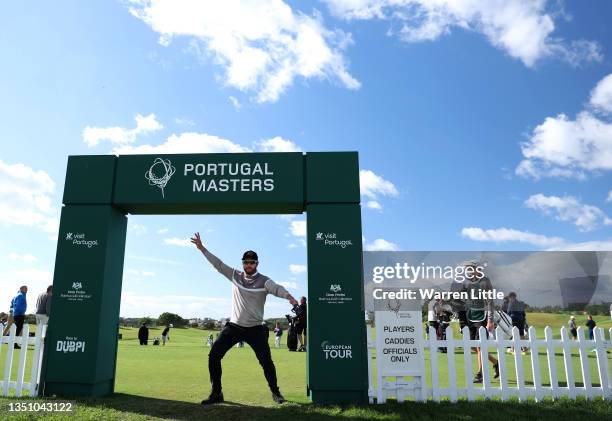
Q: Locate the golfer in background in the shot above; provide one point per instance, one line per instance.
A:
(249, 291)
(166, 334)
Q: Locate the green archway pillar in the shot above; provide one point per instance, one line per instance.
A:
(81, 344)
(337, 365)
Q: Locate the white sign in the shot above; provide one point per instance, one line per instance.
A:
(399, 343)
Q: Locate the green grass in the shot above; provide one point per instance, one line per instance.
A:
(168, 383)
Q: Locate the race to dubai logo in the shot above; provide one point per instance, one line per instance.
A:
(160, 173)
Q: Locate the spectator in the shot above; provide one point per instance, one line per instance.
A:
(516, 310)
(573, 328)
(166, 334)
(19, 305)
(143, 334)
(590, 323)
(210, 340)
(43, 307)
(302, 317)
(433, 319)
(278, 333)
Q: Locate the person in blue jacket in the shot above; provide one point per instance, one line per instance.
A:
(19, 304)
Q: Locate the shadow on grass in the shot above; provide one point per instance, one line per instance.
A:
(480, 410)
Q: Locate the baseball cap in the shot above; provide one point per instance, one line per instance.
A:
(249, 255)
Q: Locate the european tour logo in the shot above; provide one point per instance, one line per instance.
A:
(334, 351)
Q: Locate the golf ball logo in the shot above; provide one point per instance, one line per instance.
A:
(160, 173)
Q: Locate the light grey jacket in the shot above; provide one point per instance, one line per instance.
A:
(248, 292)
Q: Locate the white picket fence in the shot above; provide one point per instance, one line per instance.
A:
(19, 385)
(400, 388)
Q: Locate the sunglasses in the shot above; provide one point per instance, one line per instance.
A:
(249, 262)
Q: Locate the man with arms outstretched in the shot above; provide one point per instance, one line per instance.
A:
(249, 291)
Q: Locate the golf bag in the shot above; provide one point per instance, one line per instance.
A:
(504, 321)
(292, 339)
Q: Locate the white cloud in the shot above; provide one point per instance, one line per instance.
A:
(26, 198)
(569, 208)
(289, 285)
(373, 204)
(184, 122)
(297, 269)
(301, 242)
(278, 144)
(137, 229)
(163, 231)
(373, 186)
(181, 242)
(140, 273)
(560, 147)
(22, 257)
(262, 49)
(601, 97)
(566, 148)
(188, 142)
(509, 235)
(119, 135)
(521, 28)
(381, 244)
(298, 228)
(237, 105)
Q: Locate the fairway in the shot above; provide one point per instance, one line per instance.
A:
(179, 370)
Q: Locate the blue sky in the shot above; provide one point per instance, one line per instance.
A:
(480, 125)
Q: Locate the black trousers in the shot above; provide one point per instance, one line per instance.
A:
(19, 323)
(256, 337)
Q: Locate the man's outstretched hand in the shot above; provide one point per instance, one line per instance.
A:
(197, 241)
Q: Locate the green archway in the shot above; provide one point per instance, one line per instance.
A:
(81, 344)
